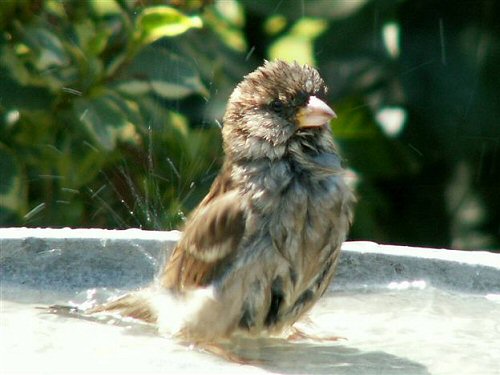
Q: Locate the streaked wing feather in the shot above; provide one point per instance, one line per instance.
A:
(210, 237)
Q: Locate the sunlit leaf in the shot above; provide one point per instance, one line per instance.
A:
(163, 21)
(298, 43)
(47, 46)
(134, 87)
(159, 71)
(226, 20)
(90, 39)
(105, 8)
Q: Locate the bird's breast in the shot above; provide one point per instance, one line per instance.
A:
(294, 229)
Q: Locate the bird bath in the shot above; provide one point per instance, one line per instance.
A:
(402, 311)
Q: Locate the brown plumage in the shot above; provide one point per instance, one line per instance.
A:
(262, 246)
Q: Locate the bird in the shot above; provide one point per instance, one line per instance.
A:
(262, 246)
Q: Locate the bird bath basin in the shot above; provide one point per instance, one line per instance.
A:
(402, 311)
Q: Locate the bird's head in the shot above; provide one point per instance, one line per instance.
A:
(271, 106)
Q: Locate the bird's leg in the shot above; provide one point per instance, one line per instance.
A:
(221, 352)
(297, 334)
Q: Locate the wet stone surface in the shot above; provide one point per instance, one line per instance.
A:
(402, 311)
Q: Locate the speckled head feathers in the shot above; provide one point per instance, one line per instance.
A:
(280, 79)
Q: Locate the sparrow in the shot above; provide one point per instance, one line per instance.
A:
(262, 246)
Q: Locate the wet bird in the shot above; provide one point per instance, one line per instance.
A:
(263, 245)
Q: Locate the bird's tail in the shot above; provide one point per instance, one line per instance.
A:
(137, 305)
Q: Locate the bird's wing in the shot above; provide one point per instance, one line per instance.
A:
(211, 236)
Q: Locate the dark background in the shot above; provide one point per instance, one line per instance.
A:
(110, 110)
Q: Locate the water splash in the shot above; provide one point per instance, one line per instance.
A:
(442, 41)
(37, 209)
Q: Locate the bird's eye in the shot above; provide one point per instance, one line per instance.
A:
(277, 105)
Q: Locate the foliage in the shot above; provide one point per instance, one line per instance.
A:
(110, 110)
(90, 129)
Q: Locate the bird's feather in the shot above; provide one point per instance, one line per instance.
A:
(211, 237)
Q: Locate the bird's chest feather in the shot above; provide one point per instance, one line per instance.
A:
(297, 218)
(295, 207)
(296, 224)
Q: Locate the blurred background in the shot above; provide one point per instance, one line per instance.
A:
(110, 110)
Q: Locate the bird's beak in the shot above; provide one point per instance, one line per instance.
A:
(316, 114)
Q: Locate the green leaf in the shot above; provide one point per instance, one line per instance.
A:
(156, 70)
(49, 50)
(105, 120)
(90, 39)
(12, 184)
(163, 21)
(20, 97)
(13, 65)
(105, 8)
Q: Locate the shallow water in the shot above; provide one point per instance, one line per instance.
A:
(407, 328)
